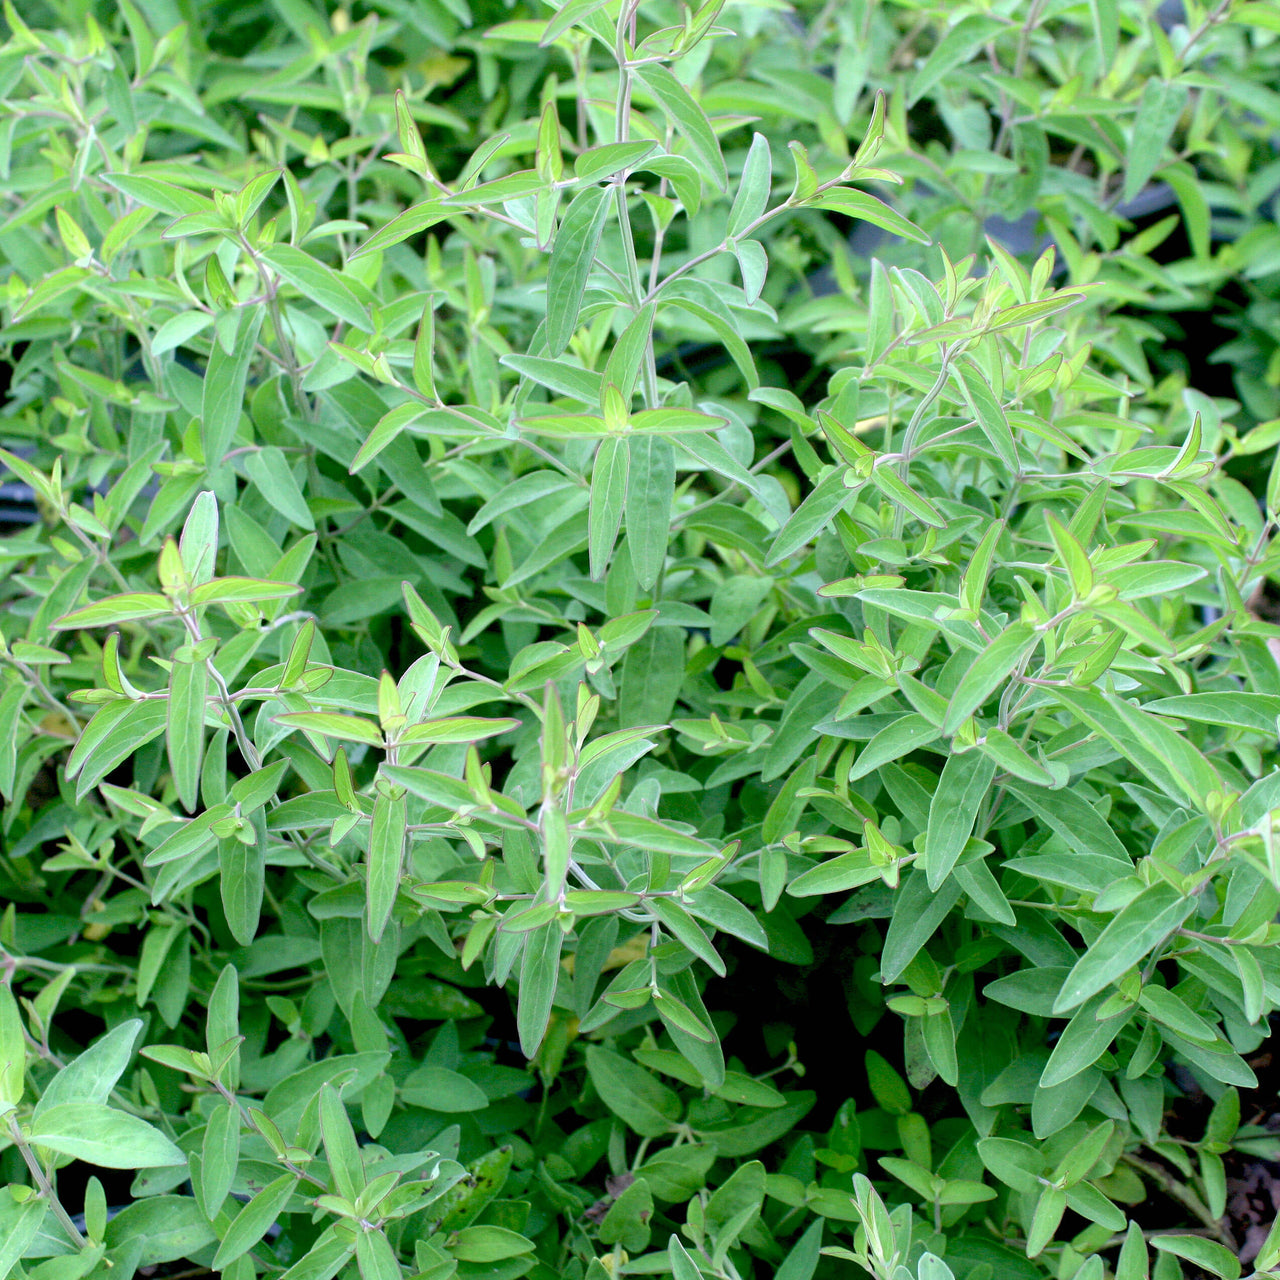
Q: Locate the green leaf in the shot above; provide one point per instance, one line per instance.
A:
(166, 1229)
(198, 546)
(627, 1221)
(539, 976)
(1154, 748)
(815, 513)
(704, 303)
(242, 590)
(1258, 712)
(488, 1244)
(734, 602)
(958, 46)
(439, 1089)
(184, 740)
(682, 926)
(687, 117)
(1207, 1254)
(899, 492)
(917, 914)
(753, 190)
(13, 1049)
(21, 1224)
(125, 608)
(1159, 109)
(836, 875)
(684, 176)
(376, 1258)
(1070, 815)
(608, 495)
(111, 737)
(511, 186)
(887, 1086)
(1132, 933)
(92, 1075)
(222, 399)
(572, 256)
(652, 675)
(385, 431)
(966, 778)
(162, 196)
(274, 478)
(1018, 1165)
(866, 208)
(335, 725)
(387, 834)
(633, 1094)
(241, 882)
(1044, 1221)
(989, 412)
(906, 734)
(569, 15)
(413, 221)
(254, 1220)
(219, 1158)
(100, 1135)
(454, 729)
(682, 1265)
(322, 284)
(1106, 30)
(1083, 1042)
(650, 488)
(597, 163)
(753, 262)
(340, 1145)
(802, 1262)
(330, 1253)
(559, 376)
(188, 838)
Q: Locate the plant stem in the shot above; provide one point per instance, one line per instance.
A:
(46, 1187)
(1183, 1194)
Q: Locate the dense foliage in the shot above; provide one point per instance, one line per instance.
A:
(588, 565)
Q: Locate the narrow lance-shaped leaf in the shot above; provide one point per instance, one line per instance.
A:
(424, 352)
(386, 859)
(198, 545)
(224, 383)
(539, 974)
(858, 204)
(184, 741)
(270, 472)
(242, 880)
(321, 283)
(650, 490)
(340, 1145)
(123, 608)
(962, 788)
(990, 669)
(254, 1220)
(13, 1049)
(220, 1156)
(1142, 925)
(608, 496)
(753, 190)
(1159, 107)
(572, 254)
(687, 116)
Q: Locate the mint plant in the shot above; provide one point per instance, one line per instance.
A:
(485, 593)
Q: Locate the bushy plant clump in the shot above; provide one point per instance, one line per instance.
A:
(634, 652)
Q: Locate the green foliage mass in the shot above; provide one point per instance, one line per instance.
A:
(510, 571)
